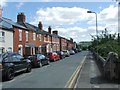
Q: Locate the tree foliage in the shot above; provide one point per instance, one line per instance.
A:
(106, 43)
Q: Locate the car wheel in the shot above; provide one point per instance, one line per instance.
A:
(54, 60)
(48, 62)
(40, 65)
(29, 68)
(10, 74)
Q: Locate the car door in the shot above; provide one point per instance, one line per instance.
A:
(16, 62)
(22, 61)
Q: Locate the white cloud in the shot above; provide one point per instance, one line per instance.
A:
(61, 15)
(3, 3)
(19, 5)
(64, 20)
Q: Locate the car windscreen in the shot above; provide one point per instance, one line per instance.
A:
(41, 56)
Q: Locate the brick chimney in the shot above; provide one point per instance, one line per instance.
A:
(55, 32)
(49, 29)
(40, 25)
(71, 39)
(21, 17)
(0, 11)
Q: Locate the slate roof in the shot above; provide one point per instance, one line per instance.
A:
(8, 24)
(33, 28)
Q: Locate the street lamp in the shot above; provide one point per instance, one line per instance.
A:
(96, 25)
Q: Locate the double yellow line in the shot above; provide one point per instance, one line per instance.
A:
(71, 82)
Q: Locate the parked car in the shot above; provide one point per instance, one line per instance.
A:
(67, 53)
(11, 63)
(38, 60)
(79, 50)
(71, 52)
(53, 56)
(75, 50)
(61, 54)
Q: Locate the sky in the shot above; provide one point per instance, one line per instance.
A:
(69, 18)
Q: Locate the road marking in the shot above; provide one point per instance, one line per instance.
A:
(74, 76)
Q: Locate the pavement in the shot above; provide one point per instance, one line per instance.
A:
(91, 77)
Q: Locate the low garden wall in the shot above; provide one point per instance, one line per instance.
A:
(110, 67)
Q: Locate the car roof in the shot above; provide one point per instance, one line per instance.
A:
(10, 54)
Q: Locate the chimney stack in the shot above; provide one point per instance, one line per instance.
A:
(0, 11)
(71, 39)
(55, 32)
(21, 17)
(40, 25)
(49, 29)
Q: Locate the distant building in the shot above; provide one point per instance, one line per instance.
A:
(84, 44)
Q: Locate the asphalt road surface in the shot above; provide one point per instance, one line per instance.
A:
(55, 75)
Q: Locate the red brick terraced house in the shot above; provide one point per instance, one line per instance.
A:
(38, 40)
(70, 44)
(63, 44)
(41, 41)
(29, 39)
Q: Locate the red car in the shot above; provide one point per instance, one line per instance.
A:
(53, 56)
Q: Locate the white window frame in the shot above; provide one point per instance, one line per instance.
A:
(34, 36)
(20, 35)
(26, 36)
(21, 48)
(40, 48)
(9, 49)
(48, 38)
(2, 37)
(45, 38)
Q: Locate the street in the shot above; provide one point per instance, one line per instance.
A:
(55, 75)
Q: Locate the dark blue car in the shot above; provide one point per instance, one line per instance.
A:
(11, 63)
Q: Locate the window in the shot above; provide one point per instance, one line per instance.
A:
(20, 35)
(40, 37)
(48, 38)
(34, 36)
(14, 58)
(44, 38)
(2, 36)
(20, 49)
(40, 47)
(26, 36)
(2, 50)
(19, 57)
(9, 49)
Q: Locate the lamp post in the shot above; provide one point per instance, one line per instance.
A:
(96, 26)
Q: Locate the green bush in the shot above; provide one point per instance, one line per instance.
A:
(107, 43)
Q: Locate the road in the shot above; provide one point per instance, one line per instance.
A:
(55, 75)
